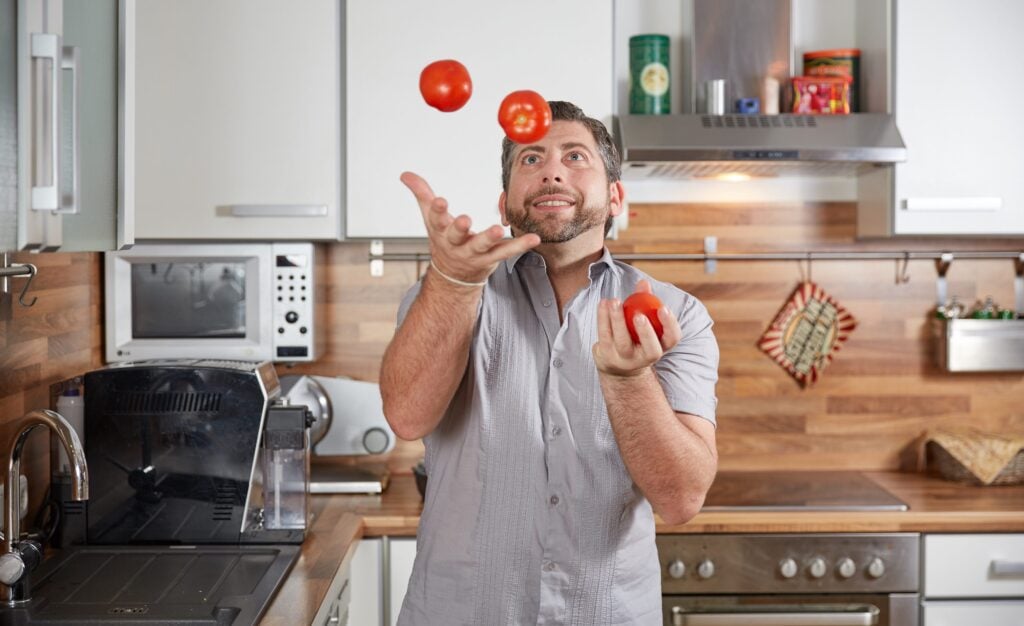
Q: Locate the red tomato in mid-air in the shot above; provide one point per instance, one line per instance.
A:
(646, 304)
(446, 85)
(525, 116)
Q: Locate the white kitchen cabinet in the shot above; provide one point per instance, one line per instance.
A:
(334, 610)
(402, 553)
(973, 579)
(956, 82)
(563, 51)
(380, 576)
(238, 119)
(366, 607)
(63, 112)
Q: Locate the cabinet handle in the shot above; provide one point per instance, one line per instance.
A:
(1002, 567)
(278, 210)
(69, 61)
(979, 203)
(46, 46)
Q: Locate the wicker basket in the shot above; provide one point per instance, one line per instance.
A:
(950, 469)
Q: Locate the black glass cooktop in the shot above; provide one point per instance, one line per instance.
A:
(798, 491)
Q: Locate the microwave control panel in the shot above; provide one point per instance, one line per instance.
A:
(292, 289)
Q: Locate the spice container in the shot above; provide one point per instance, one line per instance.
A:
(843, 62)
(649, 75)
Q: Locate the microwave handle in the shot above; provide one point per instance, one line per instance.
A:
(277, 210)
(787, 615)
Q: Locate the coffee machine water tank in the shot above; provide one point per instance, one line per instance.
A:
(348, 414)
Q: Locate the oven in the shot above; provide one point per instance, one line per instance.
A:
(841, 579)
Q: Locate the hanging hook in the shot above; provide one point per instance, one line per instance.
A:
(28, 282)
(902, 267)
(808, 276)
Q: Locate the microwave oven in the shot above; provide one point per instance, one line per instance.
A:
(236, 301)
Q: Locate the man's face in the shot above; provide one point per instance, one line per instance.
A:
(558, 187)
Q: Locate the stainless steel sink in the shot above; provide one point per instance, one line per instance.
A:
(149, 585)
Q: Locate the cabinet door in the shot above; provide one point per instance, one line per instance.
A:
(238, 120)
(89, 139)
(961, 612)
(964, 566)
(402, 552)
(956, 109)
(566, 55)
(365, 607)
(30, 123)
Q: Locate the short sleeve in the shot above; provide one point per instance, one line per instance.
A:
(689, 372)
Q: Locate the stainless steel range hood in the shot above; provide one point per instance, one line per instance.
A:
(743, 42)
(705, 145)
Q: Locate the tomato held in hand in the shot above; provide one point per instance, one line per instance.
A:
(525, 116)
(646, 304)
(445, 85)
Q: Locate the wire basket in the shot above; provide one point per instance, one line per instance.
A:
(950, 469)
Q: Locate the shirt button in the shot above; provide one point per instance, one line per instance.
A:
(553, 500)
(557, 362)
(547, 303)
(556, 431)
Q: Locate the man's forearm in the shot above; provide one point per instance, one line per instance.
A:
(426, 360)
(672, 464)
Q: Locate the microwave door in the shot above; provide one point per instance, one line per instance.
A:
(193, 301)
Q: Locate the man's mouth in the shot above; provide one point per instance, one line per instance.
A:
(553, 202)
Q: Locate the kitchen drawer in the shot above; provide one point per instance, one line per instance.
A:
(962, 566)
(979, 612)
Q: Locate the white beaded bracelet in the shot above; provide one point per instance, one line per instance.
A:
(455, 280)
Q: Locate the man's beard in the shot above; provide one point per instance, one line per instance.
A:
(553, 228)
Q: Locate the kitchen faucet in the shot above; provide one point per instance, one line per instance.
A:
(18, 558)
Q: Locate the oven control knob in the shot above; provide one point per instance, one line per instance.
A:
(787, 568)
(677, 569)
(817, 567)
(706, 569)
(846, 567)
(876, 568)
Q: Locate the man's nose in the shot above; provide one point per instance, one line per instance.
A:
(553, 172)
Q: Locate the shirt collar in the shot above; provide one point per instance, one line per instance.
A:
(532, 258)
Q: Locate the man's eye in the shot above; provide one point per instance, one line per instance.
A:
(576, 156)
(530, 159)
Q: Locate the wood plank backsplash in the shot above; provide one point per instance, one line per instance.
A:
(873, 401)
(58, 338)
(879, 394)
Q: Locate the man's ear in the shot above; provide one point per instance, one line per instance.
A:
(616, 197)
(501, 208)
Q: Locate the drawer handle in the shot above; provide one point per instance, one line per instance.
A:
(278, 210)
(1002, 567)
(979, 203)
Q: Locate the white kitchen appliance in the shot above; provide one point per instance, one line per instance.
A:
(252, 301)
(348, 420)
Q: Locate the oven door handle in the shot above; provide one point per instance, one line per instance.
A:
(777, 615)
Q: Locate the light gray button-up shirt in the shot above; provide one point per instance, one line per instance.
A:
(530, 516)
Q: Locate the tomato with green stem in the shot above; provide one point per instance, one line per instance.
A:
(524, 116)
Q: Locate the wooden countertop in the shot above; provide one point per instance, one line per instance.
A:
(935, 506)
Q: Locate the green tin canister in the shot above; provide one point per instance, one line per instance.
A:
(648, 75)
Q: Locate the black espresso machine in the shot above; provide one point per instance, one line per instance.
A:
(199, 495)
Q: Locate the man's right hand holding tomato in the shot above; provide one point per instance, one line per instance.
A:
(455, 250)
